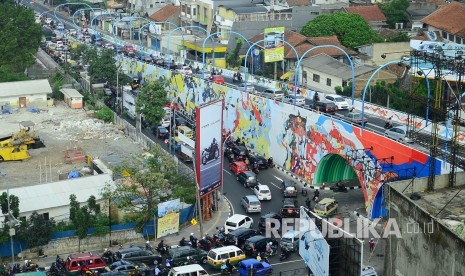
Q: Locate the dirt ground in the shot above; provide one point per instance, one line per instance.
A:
(62, 128)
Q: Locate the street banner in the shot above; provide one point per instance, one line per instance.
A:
(313, 247)
(274, 44)
(168, 217)
(208, 145)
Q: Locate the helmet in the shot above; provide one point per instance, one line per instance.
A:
(147, 242)
(371, 239)
(192, 234)
(105, 250)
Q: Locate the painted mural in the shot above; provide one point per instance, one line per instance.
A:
(309, 144)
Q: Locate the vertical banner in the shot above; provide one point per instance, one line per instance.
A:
(208, 146)
(274, 44)
(313, 247)
(168, 217)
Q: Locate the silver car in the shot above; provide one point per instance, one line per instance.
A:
(251, 204)
(298, 99)
(398, 133)
(250, 88)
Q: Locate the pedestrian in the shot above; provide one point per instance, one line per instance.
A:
(372, 245)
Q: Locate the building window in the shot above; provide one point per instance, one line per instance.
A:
(316, 78)
(444, 34)
(151, 6)
(46, 216)
(194, 11)
(451, 37)
(328, 81)
(344, 83)
(457, 40)
(304, 76)
(205, 12)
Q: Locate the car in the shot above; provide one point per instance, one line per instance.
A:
(72, 31)
(260, 268)
(165, 122)
(128, 48)
(326, 207)
(185, 70)
(131, 54)
(289, 188)
(141, 256)
(129, 268)
(262, 192)
(60, 26)
(107, 91)
(236, 221)
(339, 101)
(369, 271)
(218, 79)
(48, 20)
(356, 118)
(269, 220)
(178, 121)
(398, 133)
(239, 150)
(247, 178)
(325, 106)
(273, 93)
(238, 167)
(249, 88)
(162, 132)
(257, 244)
(261, 161)
(297, 99)
(290, 208)
(180, 254)
(251, 204)
(109, 46)
(239, 236)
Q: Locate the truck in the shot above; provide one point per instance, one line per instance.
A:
(185, 139)
(129, 101)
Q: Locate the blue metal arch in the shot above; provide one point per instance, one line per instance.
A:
(150, 23)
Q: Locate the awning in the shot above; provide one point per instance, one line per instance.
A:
(288, 75)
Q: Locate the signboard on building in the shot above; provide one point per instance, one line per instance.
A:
(168, 217)
(274, 44)
(208, 145)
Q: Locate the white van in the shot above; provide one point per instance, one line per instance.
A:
(236, 221)
(188, 270)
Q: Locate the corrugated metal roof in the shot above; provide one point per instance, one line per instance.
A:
(20, 88)
(71, 93)
(328, 65)
(56, 194)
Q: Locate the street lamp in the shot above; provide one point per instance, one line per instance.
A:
(119, 91)
(203, 48)
(172, 130)
(222, 162)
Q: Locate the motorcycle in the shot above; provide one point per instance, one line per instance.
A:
(284, 256)
(226, 271)
(388, 125)
(270, 162)
(109, 257)
(213, 152)
(204, 244)
(183, 242)
(341, 189)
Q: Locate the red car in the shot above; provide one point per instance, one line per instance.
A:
(218, 79)
(128, 48)
(238, 167)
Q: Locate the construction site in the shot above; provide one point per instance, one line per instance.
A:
(55, 143)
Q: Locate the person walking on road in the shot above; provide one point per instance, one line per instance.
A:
(372, 245)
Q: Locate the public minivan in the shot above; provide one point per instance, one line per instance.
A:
(290, 240)
(326, 207)
(188, 270)
(217, 256)
(237, 220)
(186, 131)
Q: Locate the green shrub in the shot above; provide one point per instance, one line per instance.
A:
(104, 114)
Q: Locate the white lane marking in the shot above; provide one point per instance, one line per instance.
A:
(227, 172)
(275, 185)
(287, 262)
(230, 204)
(278, 178)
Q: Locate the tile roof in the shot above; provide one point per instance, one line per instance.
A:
(293, 3)
(450, 18)
(302, 43)
(164, 13)
(369, 13)
(326, 64)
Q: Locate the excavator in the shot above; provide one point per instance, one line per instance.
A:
(15, 146)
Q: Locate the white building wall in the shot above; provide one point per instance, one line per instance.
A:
(320, 86)
(30, 99)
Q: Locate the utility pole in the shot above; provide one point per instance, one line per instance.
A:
(197, 189)
(12, 230)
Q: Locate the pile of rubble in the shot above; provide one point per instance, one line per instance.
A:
(84, 129)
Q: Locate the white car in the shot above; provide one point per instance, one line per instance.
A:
(250, 88)
(262, 192)
(369, 271)
(165, 122)
(48, 20)
(236, 221)
(298, 99)
(339, 101)
(398, 133)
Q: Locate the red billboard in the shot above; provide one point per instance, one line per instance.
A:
(208, 146)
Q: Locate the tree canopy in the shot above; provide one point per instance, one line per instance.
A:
(351, 29)
(151, 100)
(395, 12)
(102, 66)
(19, 39)
(36, 231)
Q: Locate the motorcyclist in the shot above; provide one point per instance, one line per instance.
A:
(270, 161)
(183, 242)
(229, 266)
(148, 246)
(286, 252)
(316, 195)
(388, 123)
(193, 240)
(161, 247)
(316, 98)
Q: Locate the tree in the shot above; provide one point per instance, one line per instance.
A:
(151, 100)
(19, 37)
(398, 37)
(94, 208)
(102, 66)
(150, 182)
(233, 59)
(73, 207)
(82, 223)
(351, 29)
(36, 231)
(14, 210)
(395, 12)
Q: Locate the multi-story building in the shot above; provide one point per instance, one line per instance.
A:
(449, 21)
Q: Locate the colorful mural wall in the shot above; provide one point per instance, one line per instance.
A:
(309, 144)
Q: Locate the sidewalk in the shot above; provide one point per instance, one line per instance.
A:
(218, 219)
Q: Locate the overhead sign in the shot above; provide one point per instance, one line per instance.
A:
(313, 247)
(168, 217)
(208, 145)
(274, 44)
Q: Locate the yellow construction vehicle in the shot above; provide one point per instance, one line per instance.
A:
(25, 136)
(14, 153)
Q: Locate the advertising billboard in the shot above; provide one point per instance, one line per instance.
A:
(274, 44)
(208, 146)
(168, 217)
(313, 247)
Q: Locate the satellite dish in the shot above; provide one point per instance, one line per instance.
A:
(152, 29)
(256, 52)
(432, 36)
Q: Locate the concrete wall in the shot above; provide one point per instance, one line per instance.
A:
(432, 249)
(321, 85)
(38, 99)
(421, 184)
(375, 50)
